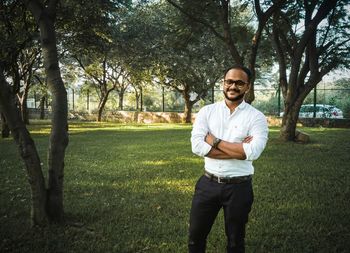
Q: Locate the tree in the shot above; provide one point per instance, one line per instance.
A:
(120, 78)
(27, 150)
(28, 63)
(186, 60)
(5, 130)
(47, 203)
(192, 71)
(94, 43)
(45, 18)
(140, 35)
(228, 24)
(18, 49)
(107, 74)
(311, 39)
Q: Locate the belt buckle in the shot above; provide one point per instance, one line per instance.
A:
(219, 180)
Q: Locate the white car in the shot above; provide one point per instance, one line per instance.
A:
(322, 111)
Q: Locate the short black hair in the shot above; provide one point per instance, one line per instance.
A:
(244, 69)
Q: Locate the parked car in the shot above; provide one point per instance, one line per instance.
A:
(322, 111)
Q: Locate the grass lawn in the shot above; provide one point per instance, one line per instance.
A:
(128, 188)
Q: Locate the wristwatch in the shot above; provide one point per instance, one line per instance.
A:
(216, 142)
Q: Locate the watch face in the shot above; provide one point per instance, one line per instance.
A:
(216, 142)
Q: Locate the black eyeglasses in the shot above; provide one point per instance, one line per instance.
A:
(237, 83)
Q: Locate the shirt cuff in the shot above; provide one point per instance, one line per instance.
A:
(205, 149)
(248, 151)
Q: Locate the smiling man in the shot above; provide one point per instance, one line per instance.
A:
(229, 135)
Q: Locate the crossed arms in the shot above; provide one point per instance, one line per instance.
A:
(227, 150)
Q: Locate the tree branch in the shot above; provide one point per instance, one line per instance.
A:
(203, 22)
(36, 8)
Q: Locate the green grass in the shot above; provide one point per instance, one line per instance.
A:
(128, 188)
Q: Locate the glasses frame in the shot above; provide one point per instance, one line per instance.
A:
(238, 83)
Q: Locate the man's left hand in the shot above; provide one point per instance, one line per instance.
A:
(210, 139)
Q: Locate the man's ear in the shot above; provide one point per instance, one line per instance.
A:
(247, 89)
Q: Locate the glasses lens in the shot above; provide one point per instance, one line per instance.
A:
(238, 83)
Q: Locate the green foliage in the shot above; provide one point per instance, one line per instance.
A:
(268, 106)
(128, 188)
(188, 60)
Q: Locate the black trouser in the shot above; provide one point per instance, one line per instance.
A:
(208, 199)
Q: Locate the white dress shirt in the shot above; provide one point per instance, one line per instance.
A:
(217, 120)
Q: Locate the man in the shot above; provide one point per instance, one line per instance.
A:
(230, 134)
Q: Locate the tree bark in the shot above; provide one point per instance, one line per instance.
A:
(23, 102)
(289, 122)
(27, 151)
(188, 105)
(24, 112)
(188, 112)
(45, 17)
(121, 100)
(42, 107)
(137, 98)
(103, 101)
(5, 130)
(101, 107)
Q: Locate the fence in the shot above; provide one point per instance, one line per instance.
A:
(155, 99)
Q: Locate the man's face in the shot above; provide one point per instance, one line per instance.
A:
(235, 85)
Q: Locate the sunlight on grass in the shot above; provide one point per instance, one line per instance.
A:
(156, 163)
(183, 186)
(194, 160)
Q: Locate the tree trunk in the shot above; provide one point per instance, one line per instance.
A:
(24, 96)
(188, 106)
(45, 17)
(42, 107)
(141, 99)
(121, 100)
(5, 130)
(24, 108)
(249, 97)
(188, 112)
(58, 138)
(27, 151)
(137, 102)
(103, 101)
(101, 107)
(24, 113)
(289, 122)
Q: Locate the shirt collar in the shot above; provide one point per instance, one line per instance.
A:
(242, 105)
(239, 107)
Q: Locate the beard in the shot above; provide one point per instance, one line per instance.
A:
(234, 99)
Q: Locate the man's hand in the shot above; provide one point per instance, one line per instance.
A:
(210, 139)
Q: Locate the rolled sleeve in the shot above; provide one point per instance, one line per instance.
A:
(259, 132)
(199, 131)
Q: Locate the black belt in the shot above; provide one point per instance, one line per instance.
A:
(228, 180)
